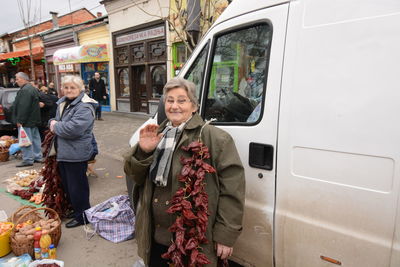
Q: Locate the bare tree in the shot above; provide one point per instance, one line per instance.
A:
(30, 15)
(189, 19)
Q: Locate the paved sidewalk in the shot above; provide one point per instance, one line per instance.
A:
(74, 249)
(114, 132)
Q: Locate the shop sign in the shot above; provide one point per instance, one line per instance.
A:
(81, 54)
(66, 68)
(140, 35)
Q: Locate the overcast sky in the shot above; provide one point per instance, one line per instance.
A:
(10, 20)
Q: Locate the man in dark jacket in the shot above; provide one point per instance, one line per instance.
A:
(47, 104)
(26, 113)
(52, 89)
(98, 92)
(12, 84)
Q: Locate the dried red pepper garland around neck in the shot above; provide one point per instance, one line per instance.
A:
(190, 205)
(54, 196)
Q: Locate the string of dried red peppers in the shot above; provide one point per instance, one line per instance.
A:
(54, 196)
(190, 205)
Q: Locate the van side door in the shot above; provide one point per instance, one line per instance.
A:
(241, 91)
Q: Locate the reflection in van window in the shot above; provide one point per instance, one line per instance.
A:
(237, 82)
(11, 97)
(196, 71)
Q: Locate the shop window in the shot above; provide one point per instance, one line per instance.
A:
(122, 56)
(138, 54)
(179, 56)
(123, 79)
(158, 79)
(157, 51)
(237, 81)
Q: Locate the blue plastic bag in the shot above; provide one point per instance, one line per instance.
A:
(14, 148)
(21, 261)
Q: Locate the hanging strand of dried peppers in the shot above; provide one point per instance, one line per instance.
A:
(54, 196)
(190, 205)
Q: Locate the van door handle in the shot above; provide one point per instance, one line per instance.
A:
(261, 156)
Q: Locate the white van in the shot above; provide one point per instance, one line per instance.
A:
(310, 92)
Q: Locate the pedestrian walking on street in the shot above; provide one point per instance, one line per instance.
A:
(73, 126)
(26, 113)
(52, 90)
(12, 84)
(53, 98)
(98, 92)
(46, 104)
(155, 162)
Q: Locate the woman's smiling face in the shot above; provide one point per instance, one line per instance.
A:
(178, 106)
(71, 90)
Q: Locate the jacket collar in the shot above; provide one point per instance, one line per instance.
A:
(80, 98)
(195, 122)
(26, 86)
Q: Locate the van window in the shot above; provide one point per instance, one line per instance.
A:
(238, 75)
(196, 72)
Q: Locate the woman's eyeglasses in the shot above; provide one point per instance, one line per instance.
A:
(179, 101)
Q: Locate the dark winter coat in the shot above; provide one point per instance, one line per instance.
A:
(97, 89)
(25, 109)
(74, 129)
(49, 104)
(225, 188)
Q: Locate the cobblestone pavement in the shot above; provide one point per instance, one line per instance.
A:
(74, 249)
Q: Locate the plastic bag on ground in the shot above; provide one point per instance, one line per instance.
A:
(46, 261)
(21, 261)
(113, 219)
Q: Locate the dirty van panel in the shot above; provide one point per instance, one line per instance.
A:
(338, 149)
(242, 94)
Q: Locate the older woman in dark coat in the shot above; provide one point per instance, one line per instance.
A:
(73, 127)
(154, 163)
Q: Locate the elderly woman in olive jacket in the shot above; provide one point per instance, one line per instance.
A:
(225, 187)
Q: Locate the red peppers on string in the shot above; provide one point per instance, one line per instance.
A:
(190, 205)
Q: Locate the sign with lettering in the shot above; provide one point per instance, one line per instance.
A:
(140, 35)
(81, 54)
(66, 68)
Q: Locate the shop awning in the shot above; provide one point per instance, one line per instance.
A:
(81, 54)
(35, 51)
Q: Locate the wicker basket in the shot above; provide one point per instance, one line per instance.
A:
(4, 156)
(35, 215)
(21, 211)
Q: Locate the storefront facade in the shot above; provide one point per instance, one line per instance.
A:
(140, 67)
(140, 53)
(96, 35)
(54, 41)
(90, 59)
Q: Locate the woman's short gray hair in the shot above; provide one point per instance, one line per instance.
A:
(73, 79)
(188, 86)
